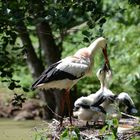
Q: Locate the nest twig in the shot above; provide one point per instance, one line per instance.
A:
(53, 130)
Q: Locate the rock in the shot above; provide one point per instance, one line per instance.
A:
(31, 104)
(31, 109)
(24, 115)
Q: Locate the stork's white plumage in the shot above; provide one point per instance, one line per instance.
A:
(88, 108)
(112, 101)
(68, 71)
(109, 105)
(124, 98)
(83, 112)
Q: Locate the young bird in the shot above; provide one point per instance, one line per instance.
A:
(125, 99)
(112, 101)
(108, 105)
(88, 108)
(83, 112)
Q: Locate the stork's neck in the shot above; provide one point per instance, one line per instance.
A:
(106, 84)
(102, 85)
(94, 47)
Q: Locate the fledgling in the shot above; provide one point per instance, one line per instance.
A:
(83, 112)
(88, 108)
(108, 105)
(125, 99)
(112, 101)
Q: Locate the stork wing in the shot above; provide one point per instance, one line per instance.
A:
(101, 98)
(67, 68)
(43, 76)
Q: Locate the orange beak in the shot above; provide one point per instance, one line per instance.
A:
(106, 57)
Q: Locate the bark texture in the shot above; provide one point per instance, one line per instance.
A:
(51, 52)
(36, 67)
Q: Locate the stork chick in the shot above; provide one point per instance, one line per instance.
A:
(125, 99)
(83, 112)
(105, 93)
(112, 101)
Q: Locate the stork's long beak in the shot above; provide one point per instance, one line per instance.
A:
(106, 57)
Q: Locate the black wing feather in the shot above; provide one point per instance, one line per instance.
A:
(43, 76)
(54, 74)
(99, 101)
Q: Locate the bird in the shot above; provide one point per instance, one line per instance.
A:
(112, 101)
(83, 112)
(88, 108)
(126, 100)
(65, 73)
(103, 93)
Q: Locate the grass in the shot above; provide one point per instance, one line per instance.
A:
(17, 130)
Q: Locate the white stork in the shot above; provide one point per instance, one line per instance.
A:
(124, 98)
(88, 108)
(83, 111)
(111, 101)
(65, 73)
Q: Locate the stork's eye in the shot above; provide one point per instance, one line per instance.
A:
(100, 71)
(76, 108)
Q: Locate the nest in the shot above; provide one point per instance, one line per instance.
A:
(127, 129)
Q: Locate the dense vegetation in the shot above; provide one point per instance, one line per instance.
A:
(28, 29)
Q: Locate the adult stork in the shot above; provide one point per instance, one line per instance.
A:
(65, 73)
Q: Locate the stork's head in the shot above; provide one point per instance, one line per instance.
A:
(104, 73)
(83, 102)
(101, 75)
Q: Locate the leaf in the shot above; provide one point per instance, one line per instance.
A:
(3, 74)
(64, 134)
(103, 20)
(90, 24)
(25, 89)
(109, 137)
(86, 33)
(115, 122)
(103, 129)
(12, 85)
(85, 39)
(9, 74)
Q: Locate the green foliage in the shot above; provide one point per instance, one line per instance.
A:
(61, 15)
(40, 137)
(118, 21)
(110, 129)
(136, 138)
(71, 133)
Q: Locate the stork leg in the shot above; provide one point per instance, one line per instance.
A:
(68, 104)
(63, 100)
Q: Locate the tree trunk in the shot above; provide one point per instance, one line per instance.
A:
(36, 68)
(35, 64)
(52, 54)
